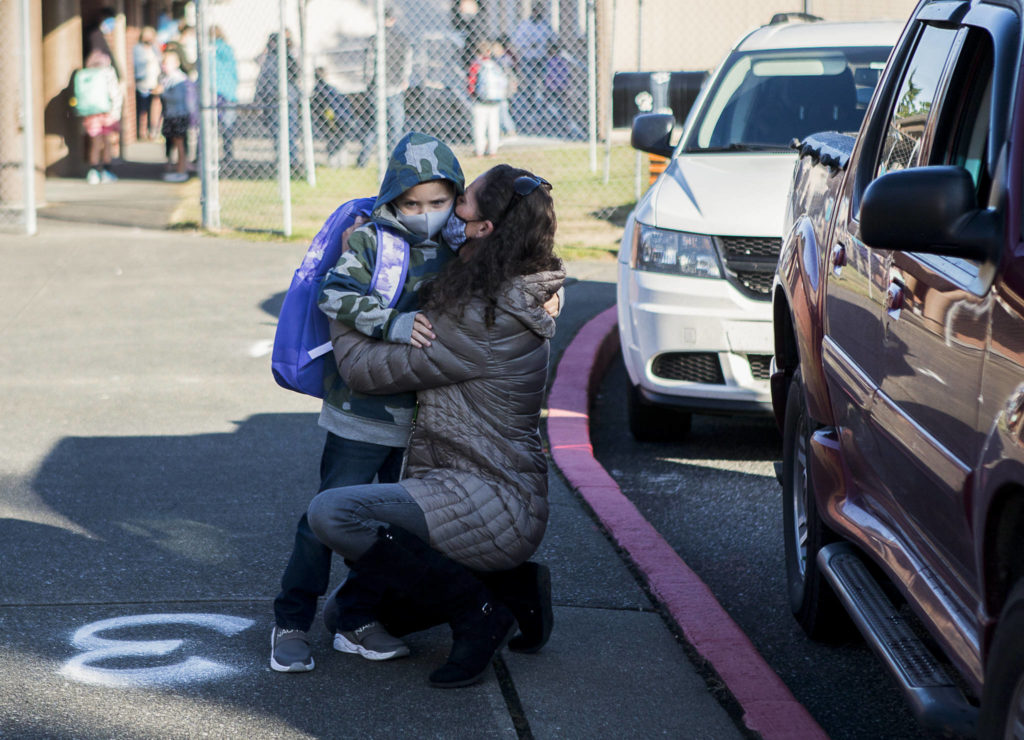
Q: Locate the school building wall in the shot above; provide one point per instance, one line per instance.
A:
(669, 35)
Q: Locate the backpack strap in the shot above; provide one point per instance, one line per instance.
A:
(320, 351)
(392, 265)
(389, 275)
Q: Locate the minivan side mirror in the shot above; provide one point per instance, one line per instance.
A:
(929, 209)
(652, 133)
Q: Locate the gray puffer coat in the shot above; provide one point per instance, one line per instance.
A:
(475, 461)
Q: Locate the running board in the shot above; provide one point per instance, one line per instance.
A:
(933, 696)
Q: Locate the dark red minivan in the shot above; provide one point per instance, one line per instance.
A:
(898, 375)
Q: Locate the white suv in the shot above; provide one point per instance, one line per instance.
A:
(700, 248)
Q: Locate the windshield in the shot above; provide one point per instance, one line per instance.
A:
(763, 100)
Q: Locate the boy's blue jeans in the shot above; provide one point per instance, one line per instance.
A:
(344, 462)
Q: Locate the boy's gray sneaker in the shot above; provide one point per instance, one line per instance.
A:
(289, 651)
(371, 641)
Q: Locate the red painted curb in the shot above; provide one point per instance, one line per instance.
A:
(769, 708)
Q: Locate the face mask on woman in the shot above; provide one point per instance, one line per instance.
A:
(454, 232)
(107, 25)
(425, 225)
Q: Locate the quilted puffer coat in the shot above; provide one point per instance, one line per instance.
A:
(475, 460)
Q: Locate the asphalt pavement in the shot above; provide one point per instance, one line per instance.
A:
(151, 474)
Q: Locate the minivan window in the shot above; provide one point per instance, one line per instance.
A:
(921, 77)
(962, 131)
(763, 100)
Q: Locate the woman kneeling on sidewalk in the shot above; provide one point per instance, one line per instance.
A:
(472, 507)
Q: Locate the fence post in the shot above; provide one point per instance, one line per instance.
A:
(284, 130)
(28, 121)
(592, 82)
(637, 189)
(380, 73)
(610, 54)
(307, 124)
(208, 159)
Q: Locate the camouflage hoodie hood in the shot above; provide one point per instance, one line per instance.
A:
(417, 158)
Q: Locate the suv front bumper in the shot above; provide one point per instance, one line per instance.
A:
(694, 343)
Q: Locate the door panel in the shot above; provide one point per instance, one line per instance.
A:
(934, 353)
(857, 290)
(935, 341)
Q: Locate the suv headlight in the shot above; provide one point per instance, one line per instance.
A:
(674, 252)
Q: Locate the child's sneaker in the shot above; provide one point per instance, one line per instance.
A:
(290, 651)
(175, 176)
(371, 641)
(108, 176)
(93, 177)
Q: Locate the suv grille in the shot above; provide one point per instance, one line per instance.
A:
(694, 367)
(750, 263)
(751, 246)
(760, 366)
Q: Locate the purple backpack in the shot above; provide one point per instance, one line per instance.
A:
(302, 360)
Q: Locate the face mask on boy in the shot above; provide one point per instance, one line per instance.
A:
(426, 224)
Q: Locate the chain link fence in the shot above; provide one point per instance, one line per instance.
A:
(17, 169)
(305, 124)
(551, 86)
(292, 129)
(289, 130)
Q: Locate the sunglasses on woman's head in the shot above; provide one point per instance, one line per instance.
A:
(526, 184)
(521, 187)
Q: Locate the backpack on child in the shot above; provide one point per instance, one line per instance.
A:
(302, 360)
(91, 91)
(491, 82)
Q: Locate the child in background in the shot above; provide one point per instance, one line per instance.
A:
(503, 55)
(147, 75)
(178, 98)
(104, 96)
(488, 88)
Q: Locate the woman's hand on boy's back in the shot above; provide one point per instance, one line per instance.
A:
(421, 331)
(359, 221)
(553, 306)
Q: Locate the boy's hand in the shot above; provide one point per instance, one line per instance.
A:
(421, 331)
(359, 221)
(552, 307)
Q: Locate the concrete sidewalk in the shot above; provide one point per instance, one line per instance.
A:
(139, 198)
(150, 477)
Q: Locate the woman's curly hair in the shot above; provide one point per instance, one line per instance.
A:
(522, 243)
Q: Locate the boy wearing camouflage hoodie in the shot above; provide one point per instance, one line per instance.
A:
(366, 435)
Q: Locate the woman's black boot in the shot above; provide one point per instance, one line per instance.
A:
(479, 631)
(480, 624)
(526, 591)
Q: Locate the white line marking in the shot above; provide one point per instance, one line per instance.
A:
(191, 670)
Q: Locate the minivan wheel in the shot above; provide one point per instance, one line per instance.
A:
(650, 423)
(811, 599)
(1002, 699)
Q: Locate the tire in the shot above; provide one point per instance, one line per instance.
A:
(1002, 700)
(650, 423)
(815, 606)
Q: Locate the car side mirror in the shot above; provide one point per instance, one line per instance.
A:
(929, 209)
(652, 133)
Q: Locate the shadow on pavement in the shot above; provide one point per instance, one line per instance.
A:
(170, 517)
(139, 198)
